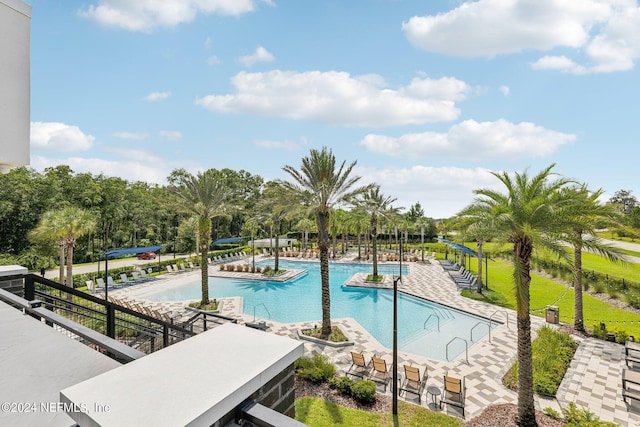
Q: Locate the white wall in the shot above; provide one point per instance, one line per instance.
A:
(15, 87)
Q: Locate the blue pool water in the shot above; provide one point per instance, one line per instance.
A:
(299, 300)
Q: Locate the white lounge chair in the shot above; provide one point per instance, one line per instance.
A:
(125, 280)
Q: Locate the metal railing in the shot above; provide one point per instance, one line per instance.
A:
(466, 348)
(506, 314)
(424, 326)
(265, 307)
(479, 324)
(140, 331)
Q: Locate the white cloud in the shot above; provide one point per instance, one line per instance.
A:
(285, 145)
(208, 42)
(171, 135)
(213, 60)
(147, 15)
(505, 90)
(442, 191)
(136, 136)
(338, 98)
(473, 140)
(602, 32)
(157, 96)
(59, 137)
(260, 55)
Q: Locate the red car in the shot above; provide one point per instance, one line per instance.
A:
(147, 255)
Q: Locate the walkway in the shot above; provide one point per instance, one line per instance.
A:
(593, 380)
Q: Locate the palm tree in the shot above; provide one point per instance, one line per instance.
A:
(586, 213)
(358, 221)
(528, 215)
(275, 205)
(376, 205)
(65, 226)
(252, 226)
(205, 196)
(305, 225)
(323, 186)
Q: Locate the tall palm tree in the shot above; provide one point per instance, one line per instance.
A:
(358, 222)
(305, 225)
(275, 205)
(323, 185)
(586, 213)
(205, 198)
(376, 205)
(65, 226)
(528, 215)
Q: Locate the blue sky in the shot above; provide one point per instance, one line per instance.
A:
(428, 97)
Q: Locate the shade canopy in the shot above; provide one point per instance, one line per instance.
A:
(459, 247)
(229, 240)
(129, 251)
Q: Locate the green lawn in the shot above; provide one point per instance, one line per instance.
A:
(317, 412)
(546, 291)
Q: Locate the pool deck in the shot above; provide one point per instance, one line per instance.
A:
(593, 381)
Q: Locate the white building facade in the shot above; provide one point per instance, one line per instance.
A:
(15, 83)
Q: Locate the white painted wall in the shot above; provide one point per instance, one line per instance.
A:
(15, 83)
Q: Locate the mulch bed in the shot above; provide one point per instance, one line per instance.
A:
(502, 415)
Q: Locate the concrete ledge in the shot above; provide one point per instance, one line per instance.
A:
(328, 343)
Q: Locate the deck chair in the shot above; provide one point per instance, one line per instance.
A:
(99, 284)
(91, 287)
(453, 393)
(125, 279)
(380, 373)
(413, 382)
(111, 283)
(359, 367)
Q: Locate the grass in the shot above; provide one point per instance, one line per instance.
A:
(316, 412)
(212, 306)
(546, 292)
(336, 334)
(552, 354)
(372, 278)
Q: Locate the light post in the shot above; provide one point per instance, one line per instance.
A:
(394, 388)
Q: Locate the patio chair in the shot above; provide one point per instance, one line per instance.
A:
(111, 283)
(380, 373)
(359, 367)
(125, 279)
(454, 392)
(145, 276)
(100, 283)
(413, 382)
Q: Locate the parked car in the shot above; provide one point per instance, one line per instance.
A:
(147, 255)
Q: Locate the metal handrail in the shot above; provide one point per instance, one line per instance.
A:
(466, 348)
(424, 326)
(506, 314)
(265, 307)
(478, 324)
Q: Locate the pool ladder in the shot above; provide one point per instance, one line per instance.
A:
(466, 344)
(265, 307)
(424, 326)
(466, 348)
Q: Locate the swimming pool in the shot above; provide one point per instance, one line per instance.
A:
(424, 327)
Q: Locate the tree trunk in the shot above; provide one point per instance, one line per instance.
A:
(359, 246)
(204, 225)
(374, 246)
(276, 262)
(479, 278)
(523, 249)
(61, 271)
(577, 285)
(70, 264)
(323, 246)
(422, 241)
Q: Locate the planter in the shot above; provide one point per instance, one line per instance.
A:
(320, 341)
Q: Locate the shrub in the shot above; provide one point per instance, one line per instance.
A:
(221, 267)
(230, 267)
(342, 384)
(239, 268)
(364, 391)
(576, 417)
(258, 269)
(245, 268)
(316, 368)
(266, 269)
(599, 287)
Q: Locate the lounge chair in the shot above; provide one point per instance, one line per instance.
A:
(380, 373)
(125, 279)
(91, 287)
(413, 382)
(100, 284)
(145, 276)
(359, 367)
(111, 283)
(454, 392)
